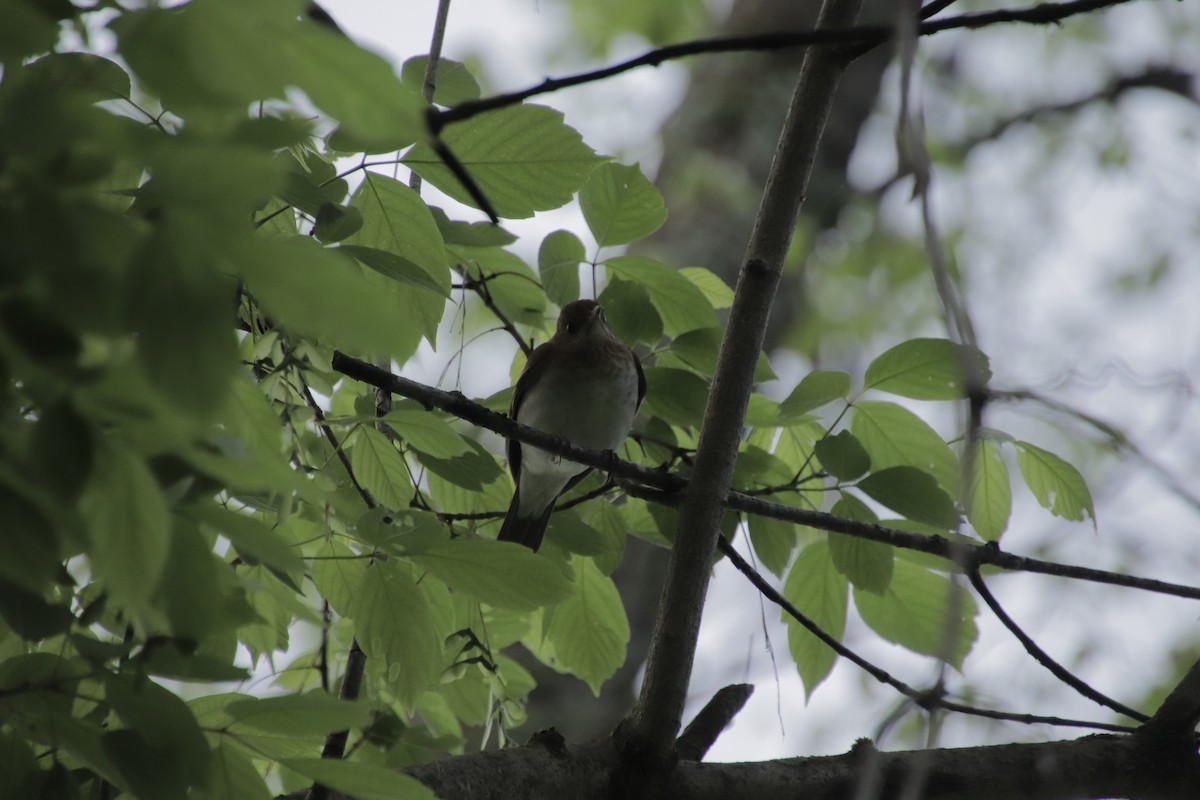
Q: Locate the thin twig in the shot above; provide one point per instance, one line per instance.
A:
(924, 699)
(865, 36)
(1043, 658)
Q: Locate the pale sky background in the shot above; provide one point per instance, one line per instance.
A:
(1044, 250)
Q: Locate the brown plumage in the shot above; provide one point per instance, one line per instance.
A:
(584, 384)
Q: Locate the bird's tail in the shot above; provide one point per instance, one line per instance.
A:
(528, 531)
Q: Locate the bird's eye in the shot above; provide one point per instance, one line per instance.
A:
(570, 327)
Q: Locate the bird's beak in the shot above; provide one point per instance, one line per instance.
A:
(596, 313)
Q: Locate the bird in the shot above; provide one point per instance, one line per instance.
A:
(585, 385)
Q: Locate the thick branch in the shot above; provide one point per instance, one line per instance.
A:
(667, 490)
(1092, 767)
(1180, 712)
(716, 715)
(654, 723)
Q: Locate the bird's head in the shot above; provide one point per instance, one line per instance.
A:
(581, 320)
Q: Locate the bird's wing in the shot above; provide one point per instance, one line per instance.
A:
(534, 367)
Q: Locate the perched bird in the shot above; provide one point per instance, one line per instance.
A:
(585, 385)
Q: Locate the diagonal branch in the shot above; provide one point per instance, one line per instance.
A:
(1042, 657)
(666, 488)
(651, 728)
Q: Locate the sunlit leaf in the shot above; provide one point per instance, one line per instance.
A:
(913, 493)
(559, 258)
(989, 496)
(427, 432)
(867, 564)
(842, 455)
(501, 574)
(589, 630)
(380, 469)
(681, 306)
(819, 592)
(394, 624)
(620, 205)
(1057, 485)
(815, 390)
(314, 713)
(923, 612)
(928, 369)
(895, 436)
(523, 158)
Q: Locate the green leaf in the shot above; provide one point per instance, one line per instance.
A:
(514, 290)
(163, 719)
(842, 455)
(380, 468)
(30, 616)
(815, 390)
(589, 630)
(128, 524)
(150, 773)
(923, 612)
(398, 268)
(255, 542)
(300, 714)
(675, 395)
(335, 222)
(501, 574)
(357, 88)
(523, 158)
(324, 294)
(620, 205)
(700, 348)
(470, 234)
(394, 624)
(397, 220)
(895, 436)
(338, 572)
(774, 541)
(360, 780)
(559, 258)
(716, 290)
(927, 369)
(989, 496)
(191, 584)
(913, 493)
(867, 564)
(629, 312)
(94, 77)
(454, 83)
(681, 306)
(427, 432)
(819, 592)
(232, 776)
(1057, 485)
(474, 470)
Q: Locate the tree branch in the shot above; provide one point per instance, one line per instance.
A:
(716, 715)
(925, 699)
(866, 37)
(1098, 766)
(667, 489)
(651, 728)
(1042, 657)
